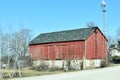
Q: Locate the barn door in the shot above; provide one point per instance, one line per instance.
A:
(52, 52)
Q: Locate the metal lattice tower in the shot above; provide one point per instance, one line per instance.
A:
(105, 27)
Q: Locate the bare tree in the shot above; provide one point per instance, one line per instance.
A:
(16, 44)
(19, 44)
(6, 45)
(0, 53)
(118, 34)
(112, 40)
(21, 39)
(90, 24)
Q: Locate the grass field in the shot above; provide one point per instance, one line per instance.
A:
(27, 73)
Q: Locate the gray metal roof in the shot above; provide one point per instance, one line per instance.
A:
(60, 36)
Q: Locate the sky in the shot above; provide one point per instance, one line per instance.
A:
(42, 16)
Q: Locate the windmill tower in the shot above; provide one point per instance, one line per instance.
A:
(105, 28)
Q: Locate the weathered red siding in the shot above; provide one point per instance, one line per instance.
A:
(96, 46)
(90, 47)
(60, 50)
(101, 45)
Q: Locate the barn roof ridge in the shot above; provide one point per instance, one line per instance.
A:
(66, 35)
(67, 30)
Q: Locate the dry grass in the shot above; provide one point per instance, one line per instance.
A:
(27, 73)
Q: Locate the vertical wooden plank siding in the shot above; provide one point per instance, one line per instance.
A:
(62, 50)
(96, 46)
(93, 48)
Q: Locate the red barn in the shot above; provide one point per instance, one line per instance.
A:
(88, 43)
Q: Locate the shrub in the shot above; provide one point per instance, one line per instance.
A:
(109, 60)
(55, 68)
(103, 64)
(116, 59)
(41, 67)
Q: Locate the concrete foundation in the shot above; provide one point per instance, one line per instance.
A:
(75, 64)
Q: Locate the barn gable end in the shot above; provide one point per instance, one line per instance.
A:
(96, 45)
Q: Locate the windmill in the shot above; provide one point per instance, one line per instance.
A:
(105, 28)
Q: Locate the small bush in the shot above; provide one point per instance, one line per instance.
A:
(103, 64)
(116, 59)
(42, 67)
(16, 74)
(55, 68)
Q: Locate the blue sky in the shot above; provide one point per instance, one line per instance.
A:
(43, 16)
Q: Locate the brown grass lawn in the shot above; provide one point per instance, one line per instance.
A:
(27, 72)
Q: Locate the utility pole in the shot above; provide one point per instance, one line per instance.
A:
(105, 28)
